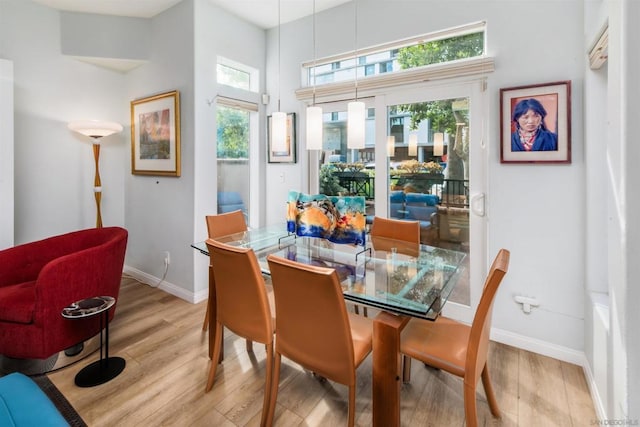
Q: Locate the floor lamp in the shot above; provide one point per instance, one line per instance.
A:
(96, 130)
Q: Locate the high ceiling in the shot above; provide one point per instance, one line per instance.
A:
(263, 13)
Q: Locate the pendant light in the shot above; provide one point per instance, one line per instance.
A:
(314, 113)
(355, 109)
(278, 118)
(438, 146)
(413, 144)
(391, 145)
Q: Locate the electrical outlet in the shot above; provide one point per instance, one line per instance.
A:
(167, 258)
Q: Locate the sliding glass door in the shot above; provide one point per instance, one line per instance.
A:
(436, 175)
(233, 154)
(424, 159)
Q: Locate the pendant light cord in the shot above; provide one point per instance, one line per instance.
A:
(279, 53)
(314, 52)
(355, 2)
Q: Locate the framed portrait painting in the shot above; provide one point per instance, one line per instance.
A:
(535, 123)
(288, 154)
(155, 135)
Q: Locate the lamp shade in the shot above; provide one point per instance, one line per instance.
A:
(279, 132)
(413, 144)
(355, 125)
(314, 128)
(391, 145)
(95, 128)
(438, 146)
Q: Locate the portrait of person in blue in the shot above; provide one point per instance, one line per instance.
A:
(531, 133)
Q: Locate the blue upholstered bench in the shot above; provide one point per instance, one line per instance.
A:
(420, 206)
(22, 403)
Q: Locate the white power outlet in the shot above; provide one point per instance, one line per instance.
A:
(167, 258)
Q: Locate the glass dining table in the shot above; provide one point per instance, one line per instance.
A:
(400, 279)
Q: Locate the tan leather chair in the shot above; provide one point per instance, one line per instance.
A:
(396, 229)
(458, 348)
(223, 225)
(242, 306)
(314, 328)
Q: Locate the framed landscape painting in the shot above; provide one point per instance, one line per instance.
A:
(535, 123)
(155, 135)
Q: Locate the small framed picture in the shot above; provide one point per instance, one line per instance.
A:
(155, 135)
(288, 155)
(535, 123)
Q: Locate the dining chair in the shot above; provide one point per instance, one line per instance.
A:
(222, 225)
(242, 306)
(313, 327)
(396, 229)
(457, 348)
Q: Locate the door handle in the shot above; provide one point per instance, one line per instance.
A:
(477, 204)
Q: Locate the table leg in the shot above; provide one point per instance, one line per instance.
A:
(105, 369)
(386, 368)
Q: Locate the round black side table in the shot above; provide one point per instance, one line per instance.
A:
(107, 368)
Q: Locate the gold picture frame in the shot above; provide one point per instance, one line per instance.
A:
(155, 135)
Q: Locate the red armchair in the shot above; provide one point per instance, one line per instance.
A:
(39, 279)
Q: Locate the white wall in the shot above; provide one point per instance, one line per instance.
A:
(536, 211)
(630, 95)
(624, 201)
(596, 125)
(159, 211)
(54, 168)
(6, 153)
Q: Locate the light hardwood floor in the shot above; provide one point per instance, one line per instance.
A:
(163, 383)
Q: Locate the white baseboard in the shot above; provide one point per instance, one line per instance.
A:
(593, 389)
(168, 287)
(538, 346)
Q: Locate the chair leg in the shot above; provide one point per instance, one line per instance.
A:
(470, 405)
(249, 346)
(205, 324)
(216, 356)
(275, 380)
(356, 309)
(352, 405)
(267, 385)
(365, 313)
(488, 390)
(406, 369)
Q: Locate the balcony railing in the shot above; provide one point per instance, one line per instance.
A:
(452, 192)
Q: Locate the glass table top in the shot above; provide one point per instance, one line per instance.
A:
(388, 274)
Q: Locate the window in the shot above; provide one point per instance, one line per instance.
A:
(233, 133)
(233, 152)
(440, 47)
(236, 75)
(237, 137)
(420, 115)
(386, 67)
(369, 70)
